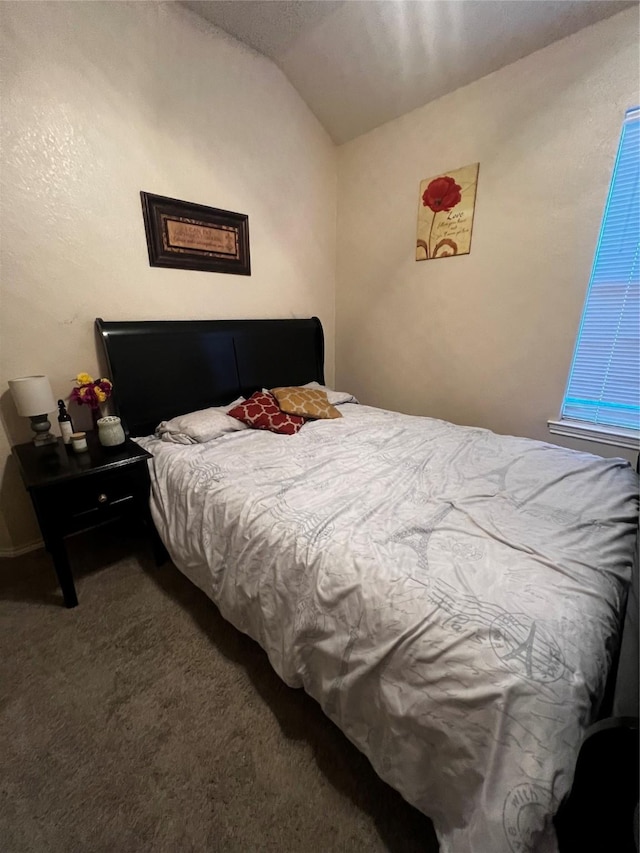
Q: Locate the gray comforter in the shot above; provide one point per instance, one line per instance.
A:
(448, 595)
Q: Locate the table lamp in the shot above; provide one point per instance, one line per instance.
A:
(34, 399)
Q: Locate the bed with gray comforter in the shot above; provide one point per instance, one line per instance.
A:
(451, 597)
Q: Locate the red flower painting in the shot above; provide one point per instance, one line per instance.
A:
(441, 194)
(445, 213)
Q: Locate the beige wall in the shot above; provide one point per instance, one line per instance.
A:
(100, 101)
(487, 338)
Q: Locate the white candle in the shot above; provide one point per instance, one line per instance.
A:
(79, 441)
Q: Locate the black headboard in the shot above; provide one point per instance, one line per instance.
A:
(164, 368)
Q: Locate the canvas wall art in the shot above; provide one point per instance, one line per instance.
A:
(445, 213)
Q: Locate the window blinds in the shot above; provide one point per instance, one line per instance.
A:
(604, 382)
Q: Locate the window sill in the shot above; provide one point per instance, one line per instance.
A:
(617, 436)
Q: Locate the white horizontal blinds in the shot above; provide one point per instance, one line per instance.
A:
(604, 383)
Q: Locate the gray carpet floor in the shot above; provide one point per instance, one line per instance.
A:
(142, 721)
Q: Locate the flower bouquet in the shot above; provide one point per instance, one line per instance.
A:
(91, 392)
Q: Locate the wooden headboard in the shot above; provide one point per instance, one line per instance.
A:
(164, 368)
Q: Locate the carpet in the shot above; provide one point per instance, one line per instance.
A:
(142, 721)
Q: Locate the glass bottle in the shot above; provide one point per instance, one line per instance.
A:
(65, 422)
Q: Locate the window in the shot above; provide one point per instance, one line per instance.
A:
(602, 400)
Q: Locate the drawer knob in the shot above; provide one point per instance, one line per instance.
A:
(102, 498)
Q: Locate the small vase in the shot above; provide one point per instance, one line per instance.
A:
(110, 432)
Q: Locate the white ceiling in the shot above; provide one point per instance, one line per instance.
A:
(360, 63)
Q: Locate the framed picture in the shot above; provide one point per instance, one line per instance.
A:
(195, 237)
(445, 213)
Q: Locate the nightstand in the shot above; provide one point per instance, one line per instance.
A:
(73, 491)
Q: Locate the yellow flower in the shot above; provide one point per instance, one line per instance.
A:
(100, 395)
(84, 379)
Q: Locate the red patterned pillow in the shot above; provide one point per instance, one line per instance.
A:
(261, 411)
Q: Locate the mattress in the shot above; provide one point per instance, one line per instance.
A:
(451, 597)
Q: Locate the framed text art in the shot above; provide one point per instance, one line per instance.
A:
(194, 237)
(445, 213)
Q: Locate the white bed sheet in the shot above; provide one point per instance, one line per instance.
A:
(448, 595)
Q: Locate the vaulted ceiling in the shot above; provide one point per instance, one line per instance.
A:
(360, 63)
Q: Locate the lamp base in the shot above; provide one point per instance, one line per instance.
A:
(41, 425)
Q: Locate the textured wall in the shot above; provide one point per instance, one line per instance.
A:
(102, 100)
(486, 338)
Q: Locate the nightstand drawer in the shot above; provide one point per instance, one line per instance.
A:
(99, 492)
(100, 497)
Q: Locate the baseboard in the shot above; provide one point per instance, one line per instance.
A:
(22, 549)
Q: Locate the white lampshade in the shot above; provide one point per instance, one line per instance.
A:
(32, 395)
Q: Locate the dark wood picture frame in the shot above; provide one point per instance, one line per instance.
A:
(190, 236)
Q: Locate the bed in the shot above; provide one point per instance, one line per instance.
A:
(452, 598)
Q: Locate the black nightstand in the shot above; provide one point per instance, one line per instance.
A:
(78, 491)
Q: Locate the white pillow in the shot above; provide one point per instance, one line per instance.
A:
(203, 425)
(334, 397)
